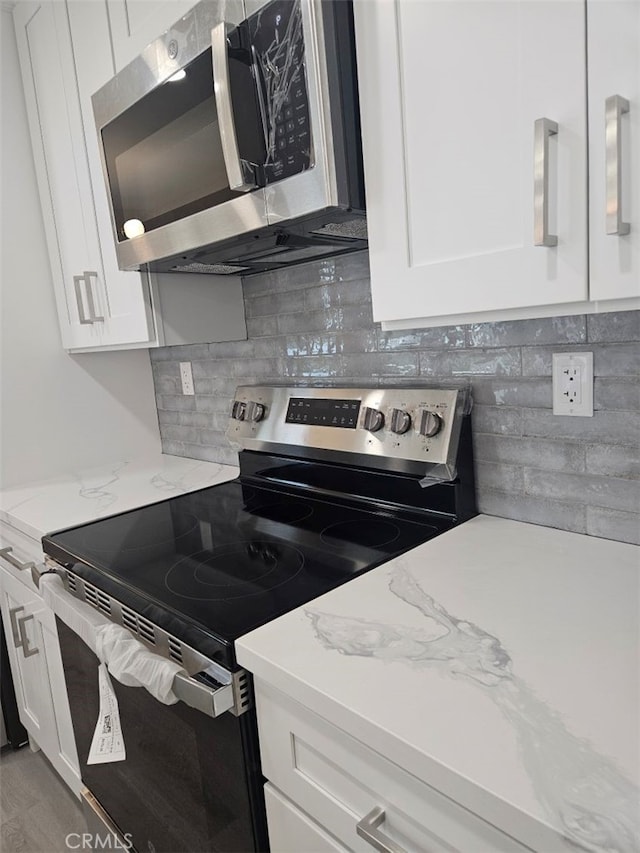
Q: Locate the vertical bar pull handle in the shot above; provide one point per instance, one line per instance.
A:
(15, 632)
(95, 318)
(85, 319)
(614, 108)
(27, 650)
(89, 316)
(543, 129)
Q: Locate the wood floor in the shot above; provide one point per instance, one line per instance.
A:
(37, 810)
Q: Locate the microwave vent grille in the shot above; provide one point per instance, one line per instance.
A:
(352, 229)
(214, 269)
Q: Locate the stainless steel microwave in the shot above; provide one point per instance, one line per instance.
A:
(232, 144)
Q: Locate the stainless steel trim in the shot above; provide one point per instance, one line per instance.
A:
(77, 283)
(15, 633)
(6, 553)
(95, 318)
(367, 828)
(27, 650)
(210, 701)
(543, 129)
(224, 106)
(106, 835)
(158, 62)
(272, 432)
(233, 694)
(615, 107)
(317, 187)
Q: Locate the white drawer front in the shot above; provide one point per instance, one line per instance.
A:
(291, 831)
(337, 781)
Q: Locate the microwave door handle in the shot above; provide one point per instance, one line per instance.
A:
(222, 90)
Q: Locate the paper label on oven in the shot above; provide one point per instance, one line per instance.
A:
(107, 744)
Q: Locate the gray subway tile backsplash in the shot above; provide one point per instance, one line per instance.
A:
(313, 324)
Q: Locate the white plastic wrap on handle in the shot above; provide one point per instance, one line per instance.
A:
(128, 661)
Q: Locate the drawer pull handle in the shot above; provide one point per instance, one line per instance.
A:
(367, 828)
(6, 553)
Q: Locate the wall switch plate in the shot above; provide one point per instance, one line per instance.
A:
(186, 377)
(572, 375)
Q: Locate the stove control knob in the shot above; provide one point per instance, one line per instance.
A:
(254, 412)
(430, 423)
(238, 410)
(400, 421)
(373, 419)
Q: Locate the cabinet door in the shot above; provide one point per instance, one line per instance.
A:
(129, 314)
(97, 305)
(36, 667)
(613, 28)
(63, 179)
(136, 23)
(450, 94)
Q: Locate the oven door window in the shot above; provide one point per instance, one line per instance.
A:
(164, 156)
(189, 782)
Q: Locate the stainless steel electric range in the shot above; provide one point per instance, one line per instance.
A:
(333, 482)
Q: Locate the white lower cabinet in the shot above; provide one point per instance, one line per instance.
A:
(323, 783)
(34, 656)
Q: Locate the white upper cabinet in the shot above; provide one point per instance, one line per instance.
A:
(474, 124)
(613, 29)
(136, 23)
(66, 53)
(98, 306)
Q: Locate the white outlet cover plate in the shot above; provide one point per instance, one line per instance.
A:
(186, 377)
(580, 364)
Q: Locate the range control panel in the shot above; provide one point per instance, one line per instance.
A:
(418, 424)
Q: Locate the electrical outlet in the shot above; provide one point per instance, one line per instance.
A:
(572, 375)
(186, 377)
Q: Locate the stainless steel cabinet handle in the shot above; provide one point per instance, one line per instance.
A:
(367, 828)
(19, 632)
(90, 316)
(614, 108)
(6, 553)
(27, 650)
(14, 625)
(238, 178)
(543, 129)
(95, 317)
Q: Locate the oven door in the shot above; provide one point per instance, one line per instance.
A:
(189, 782)
(162, 123)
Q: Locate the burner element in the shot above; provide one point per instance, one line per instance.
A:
(235, 570)
(372, 533)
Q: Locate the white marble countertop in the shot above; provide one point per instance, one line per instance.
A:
(79, 497)
(499, 663)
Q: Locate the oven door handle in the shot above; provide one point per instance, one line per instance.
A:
(212, 701)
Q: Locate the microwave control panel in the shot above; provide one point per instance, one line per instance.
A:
(277, 39)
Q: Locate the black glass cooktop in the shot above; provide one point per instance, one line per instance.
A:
(212, 565)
